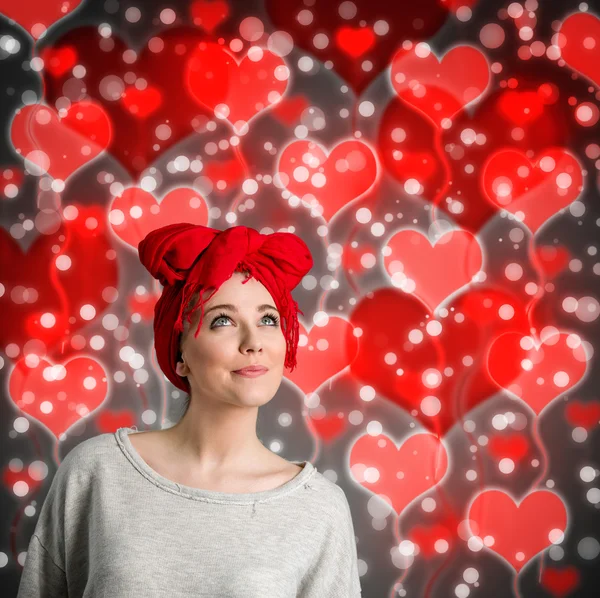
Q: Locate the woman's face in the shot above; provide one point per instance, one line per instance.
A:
(233, 341)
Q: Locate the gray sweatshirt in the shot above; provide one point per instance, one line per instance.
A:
(112, 526)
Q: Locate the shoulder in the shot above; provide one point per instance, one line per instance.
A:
(86, 458)
(72, 484)
(332, 498)
(324, 484)
(92, 448)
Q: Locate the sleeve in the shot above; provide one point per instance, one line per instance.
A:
(44, 571)
(41, 576)
(335, 570)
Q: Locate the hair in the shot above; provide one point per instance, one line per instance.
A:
(186, 325)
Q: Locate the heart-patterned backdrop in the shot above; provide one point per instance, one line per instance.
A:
(440, 158)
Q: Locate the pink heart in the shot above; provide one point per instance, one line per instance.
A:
(432, 272)
(398, 474)
(61, 144)
(326, 182)
(236, 91)
(579, 39)
(537, 372)
(439, 88)
(517, 532)
(321, 355)
(535, 191)
(58, 395)
(136, 212)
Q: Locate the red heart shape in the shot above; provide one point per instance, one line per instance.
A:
(352, 257)
(579, 40)
(439, 89)
(12, 476)
(329, 427)
(355, 41)
(38, 15)
(144, 304)
(476, 317)
(398, 475)
(517, 532)
(453, 155)
(560, 582)
(47, 286)
(59, 61)
(320, 354)
(432, 272)
(61, 144)
(327, 182)
(209, 15)
(535, 191)
(406, 145)
(141, 102)
(109, 422)
(111, 69)
(537, 372)
(136, 212)
(235, 91)
(583, 414)
(436, 369)
(553, 259)
(427, 537)
(513, 446)
(386, 359)
(226, 174)
(520, 107)
(290, 109)
(416, 168)
(58, 395)
(11, 182)
(307, 23)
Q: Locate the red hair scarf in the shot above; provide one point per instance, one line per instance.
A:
(186, 258)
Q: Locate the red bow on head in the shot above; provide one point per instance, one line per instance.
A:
(186, 258)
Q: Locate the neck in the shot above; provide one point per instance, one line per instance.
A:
(217, 437)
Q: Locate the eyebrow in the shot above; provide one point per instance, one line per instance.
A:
(234, 309)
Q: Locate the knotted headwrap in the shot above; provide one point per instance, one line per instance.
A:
(187, 258)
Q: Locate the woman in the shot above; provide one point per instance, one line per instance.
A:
(202, 508)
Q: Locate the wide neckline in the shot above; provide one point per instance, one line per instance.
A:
(122, 438)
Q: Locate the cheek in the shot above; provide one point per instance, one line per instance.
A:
(200, 352)
(214, 350)
(281, 346)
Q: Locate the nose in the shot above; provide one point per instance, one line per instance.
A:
(251, 342)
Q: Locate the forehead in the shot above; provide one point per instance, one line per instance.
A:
(233, 291)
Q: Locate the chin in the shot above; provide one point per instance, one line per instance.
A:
(250, 401)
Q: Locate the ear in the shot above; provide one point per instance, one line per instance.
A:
(181, 368)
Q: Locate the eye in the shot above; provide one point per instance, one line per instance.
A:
(218, 318)
(272, 316)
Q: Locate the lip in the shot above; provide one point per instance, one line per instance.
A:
(252, 372)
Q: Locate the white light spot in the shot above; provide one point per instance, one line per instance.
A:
(431, 406)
